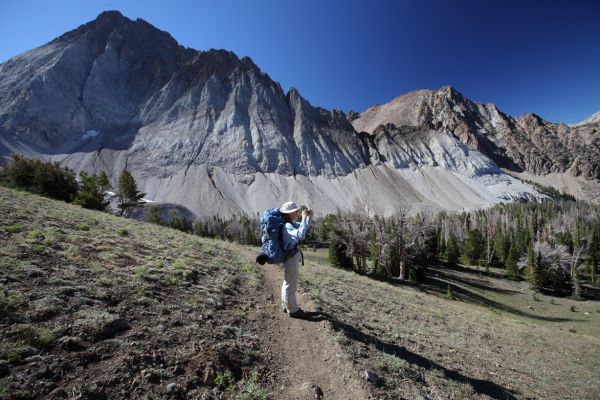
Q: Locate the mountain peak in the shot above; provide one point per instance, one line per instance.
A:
(450, 92)
(531, 118)
(109, 14)
(447, 89)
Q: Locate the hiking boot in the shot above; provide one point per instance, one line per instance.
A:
(298, 314)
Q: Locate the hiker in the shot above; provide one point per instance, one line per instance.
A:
(292, 233)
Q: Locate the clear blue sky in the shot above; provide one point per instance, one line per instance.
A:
(524, 56)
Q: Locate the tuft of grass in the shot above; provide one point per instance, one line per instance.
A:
(36, 234)
(355, 352)
(12, 228)
(12, 306)
(57, 281)
(83, 227)
(10, 250)
(35, 336)
(73, 251)
(573, 309)
(535, 297)
(37, 248)
(123, 232)
(493, 310)
(392, 363)
(108, 281)
(449, 294)
(552, 301)
(15, 353)
(249, 268)
(141, 272)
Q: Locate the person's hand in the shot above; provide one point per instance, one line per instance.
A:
(307, 213)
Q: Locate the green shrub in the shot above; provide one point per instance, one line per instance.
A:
(122, 232)
(45, 178)
(252, 389)
(224, 381)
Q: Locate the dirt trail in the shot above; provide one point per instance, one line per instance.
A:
(301, 353)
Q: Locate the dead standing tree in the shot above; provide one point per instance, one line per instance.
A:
(413, 239)
(355, 237)
(386, 245)
(492, 221)
(577, 266)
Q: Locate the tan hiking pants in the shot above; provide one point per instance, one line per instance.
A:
(290, 283)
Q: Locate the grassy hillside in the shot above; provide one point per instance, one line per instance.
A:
(96, 306)
(496, 340)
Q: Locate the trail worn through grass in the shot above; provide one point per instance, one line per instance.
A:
(93, 306)
(302, 355)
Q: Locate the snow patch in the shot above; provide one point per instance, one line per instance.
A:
(89, 134)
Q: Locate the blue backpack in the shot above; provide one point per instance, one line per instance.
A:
(272, 223)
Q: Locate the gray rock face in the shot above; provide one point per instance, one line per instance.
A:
(117, 84)
(527, 143)
(214, 133)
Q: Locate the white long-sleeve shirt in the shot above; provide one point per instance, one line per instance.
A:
(294, 232)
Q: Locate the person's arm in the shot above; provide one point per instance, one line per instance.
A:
(295, 232)
(304, 225)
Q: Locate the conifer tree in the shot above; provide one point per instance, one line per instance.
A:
(128, 196)
(452, 250)
(154, 216)
(103, 182)
(473, 248)
(534, 268)
(499, 248)
(511, 262)
(92, 193)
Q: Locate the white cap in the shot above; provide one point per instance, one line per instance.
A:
(289, 207)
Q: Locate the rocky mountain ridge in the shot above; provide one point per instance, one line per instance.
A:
(589, 120)
(527, 143)
(211, 131)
